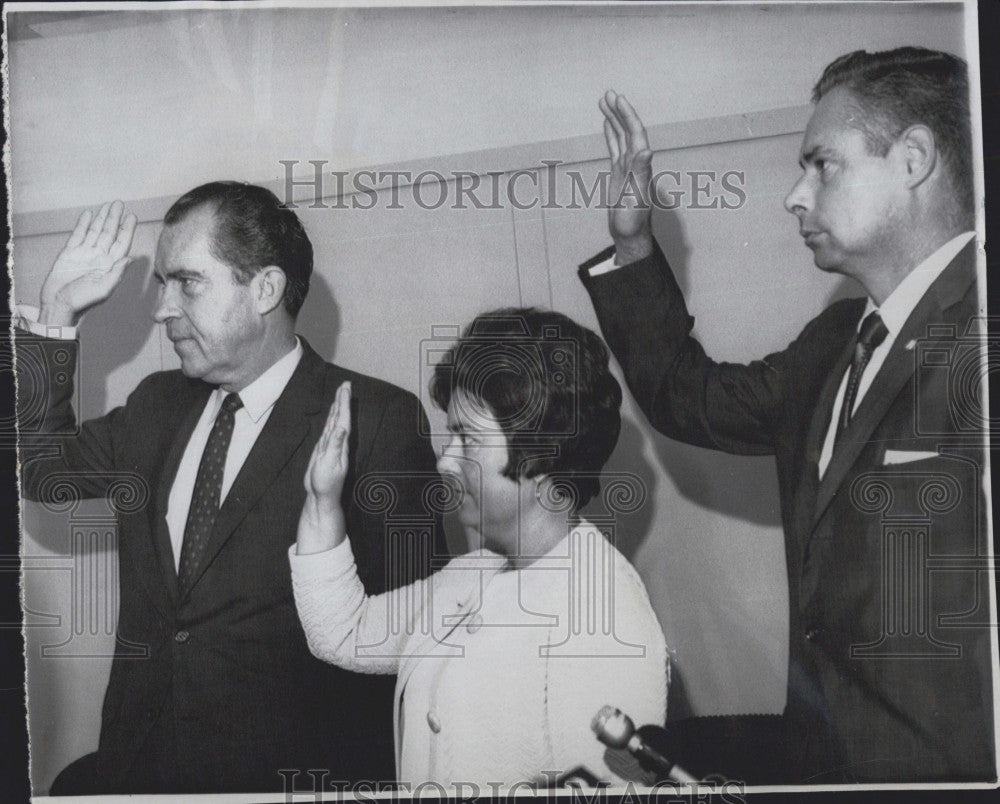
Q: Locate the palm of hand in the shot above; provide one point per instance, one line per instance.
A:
(629, 201)
(81, 277)
(92, 262)
(328, 464)
(629, 189)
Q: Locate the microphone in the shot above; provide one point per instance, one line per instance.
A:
(616, 730)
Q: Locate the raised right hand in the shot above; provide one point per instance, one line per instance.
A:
(89, 267)
(329, 461)
(322, 523)
(631, 173)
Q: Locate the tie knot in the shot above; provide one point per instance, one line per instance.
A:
(231, 403)
(873, 332)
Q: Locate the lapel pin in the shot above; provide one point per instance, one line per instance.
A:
(910, 344)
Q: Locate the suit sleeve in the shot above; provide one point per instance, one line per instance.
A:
(396, 532)
(57, 456)
(685, 394)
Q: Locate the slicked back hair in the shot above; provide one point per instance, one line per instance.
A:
(253, 229)
(896, 89)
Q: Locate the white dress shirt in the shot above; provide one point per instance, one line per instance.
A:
(258, 402)
(894, 312)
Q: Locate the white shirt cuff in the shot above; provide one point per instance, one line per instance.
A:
(604, 267)
(326, 564)
(27, 318)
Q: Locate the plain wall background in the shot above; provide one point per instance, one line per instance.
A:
(144, 105)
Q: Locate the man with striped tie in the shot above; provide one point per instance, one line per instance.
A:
(879, 452)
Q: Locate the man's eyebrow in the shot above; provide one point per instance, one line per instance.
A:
(812, 154)
(179, 273)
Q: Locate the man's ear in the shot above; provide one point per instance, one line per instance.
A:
(269, 290)
(919, 153)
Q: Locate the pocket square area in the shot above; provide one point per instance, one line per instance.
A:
(894, 456)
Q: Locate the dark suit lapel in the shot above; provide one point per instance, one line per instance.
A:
(820, 423)
(286, 427)
(948, 289)
(158, 513)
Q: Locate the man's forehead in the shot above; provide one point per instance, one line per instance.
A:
(837, 116)
(836, 112)
(191, 231)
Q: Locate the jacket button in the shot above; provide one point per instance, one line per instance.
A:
(474, 624)
(433, 722)
(814, 634)
(181, 636)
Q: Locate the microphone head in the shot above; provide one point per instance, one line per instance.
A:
(613, 727)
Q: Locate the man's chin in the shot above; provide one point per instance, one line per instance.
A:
(192, 370)
(825, 262)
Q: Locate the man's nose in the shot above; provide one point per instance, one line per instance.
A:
(799, 199)
(165, 306)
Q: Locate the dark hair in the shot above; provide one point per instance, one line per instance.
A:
(253, 229)
(546, 381)
(899, 88)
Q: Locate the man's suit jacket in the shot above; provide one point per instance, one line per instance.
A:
(889, 661)
(228, 686)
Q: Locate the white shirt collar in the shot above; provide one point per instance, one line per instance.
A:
(902, 301)
(260, 395)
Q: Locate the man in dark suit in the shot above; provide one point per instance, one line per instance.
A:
(873, 415)
(224, 694)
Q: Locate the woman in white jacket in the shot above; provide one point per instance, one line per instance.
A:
(504, 655)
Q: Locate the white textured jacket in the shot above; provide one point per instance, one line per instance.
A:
(500, 671)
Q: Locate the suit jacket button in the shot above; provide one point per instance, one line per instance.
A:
(474, 624)
(181, 637)
(814, 634)
(433, 722)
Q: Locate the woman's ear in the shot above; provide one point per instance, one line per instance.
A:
(551, 494)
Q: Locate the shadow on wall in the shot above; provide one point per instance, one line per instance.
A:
(628, 483)
(739, 487)
(736, 487)
(114, 334)
(319, 319)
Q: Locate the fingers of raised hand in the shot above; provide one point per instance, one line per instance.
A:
(80, 230)
(97, 225)
(123, 237)
(344, 398)
(338, 420)
(612, 141)
(638, 140)
(609, 107)
(109, 230)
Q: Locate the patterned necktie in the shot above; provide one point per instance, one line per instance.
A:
(207, 490)
(873, 332)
